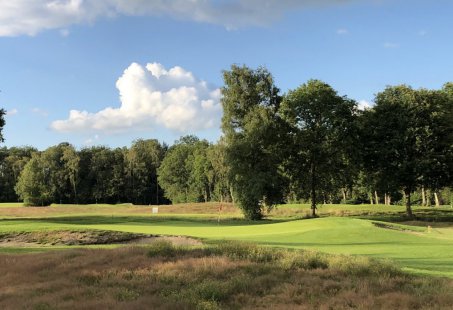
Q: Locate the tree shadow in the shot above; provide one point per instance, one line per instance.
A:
(146, 220)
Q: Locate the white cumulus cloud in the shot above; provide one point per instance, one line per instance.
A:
(364, 105)
(150, 97)
(29, 17)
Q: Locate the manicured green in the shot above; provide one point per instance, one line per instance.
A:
(11, 204)
(415, 248)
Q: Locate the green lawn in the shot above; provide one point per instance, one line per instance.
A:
(412, 247)
(11, 204)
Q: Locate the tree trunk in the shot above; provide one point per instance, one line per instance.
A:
(377, 197)
(313, 191)
(157, 191)
(385, 198)
(437, 199)
(344, 195)
(389, 199)
(232, 195)
(423, 196)
(429, 196)
(371, 198)
(407, 193)
(206, 193)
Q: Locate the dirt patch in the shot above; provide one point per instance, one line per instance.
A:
(388, 226)
(86, 237)
(397, 228)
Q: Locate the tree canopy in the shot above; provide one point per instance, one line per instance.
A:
(322, 130)
(2, 123)
(253, 137)
(309, 145)
(407, 139)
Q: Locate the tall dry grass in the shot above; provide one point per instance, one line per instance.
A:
(230, 276)
(121, 209)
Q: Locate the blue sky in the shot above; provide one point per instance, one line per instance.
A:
(58, 56)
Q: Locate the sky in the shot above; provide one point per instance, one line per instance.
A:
(108, 72)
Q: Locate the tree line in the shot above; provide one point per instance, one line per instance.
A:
(310, 144)
(146, 173)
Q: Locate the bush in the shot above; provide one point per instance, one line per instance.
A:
(241, 250)
(162, 249)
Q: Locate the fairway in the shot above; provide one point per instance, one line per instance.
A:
(416, 249)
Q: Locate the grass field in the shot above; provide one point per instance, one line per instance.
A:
(225, 276)
(416, 248)
(366, 257)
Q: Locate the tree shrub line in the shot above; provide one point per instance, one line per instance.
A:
(310, 144)
(191, 170)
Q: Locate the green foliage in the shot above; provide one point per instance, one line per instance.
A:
(60, 166)
(249, 251)
(32, 184)
(193, 171)
(12, 162)
(323, 132)
(310, 145)
(218, 175)
(143, 160)
(2, 123)
(101, 175)
(254, 138)
(162, 249)
(176, 174)
(407, 140)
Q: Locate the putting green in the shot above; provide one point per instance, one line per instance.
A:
(416, 249)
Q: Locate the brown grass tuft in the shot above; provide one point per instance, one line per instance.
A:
(207, 278)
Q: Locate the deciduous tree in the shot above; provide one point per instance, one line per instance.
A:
(2, 123)
(322, 130)
(254, 138)
(408, 139)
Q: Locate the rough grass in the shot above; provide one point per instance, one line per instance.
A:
(211, 209)
(392, 213)
(417, 249)
(230, 275)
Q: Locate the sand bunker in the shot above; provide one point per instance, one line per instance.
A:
(86, 237)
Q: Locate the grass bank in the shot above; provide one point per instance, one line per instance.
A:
(350, 230)
(228, 275)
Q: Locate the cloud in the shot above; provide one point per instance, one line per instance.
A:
(12, 112)
(152, 96)
(365, 105)
(391, 45)
(25, 17)
(92, 140)
(40, 112)
(342, 31)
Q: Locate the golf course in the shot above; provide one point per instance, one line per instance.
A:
(208, 256)
(424, 248)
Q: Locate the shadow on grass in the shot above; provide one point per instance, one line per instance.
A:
(421, 215)
(146, 220)
(318, 245)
